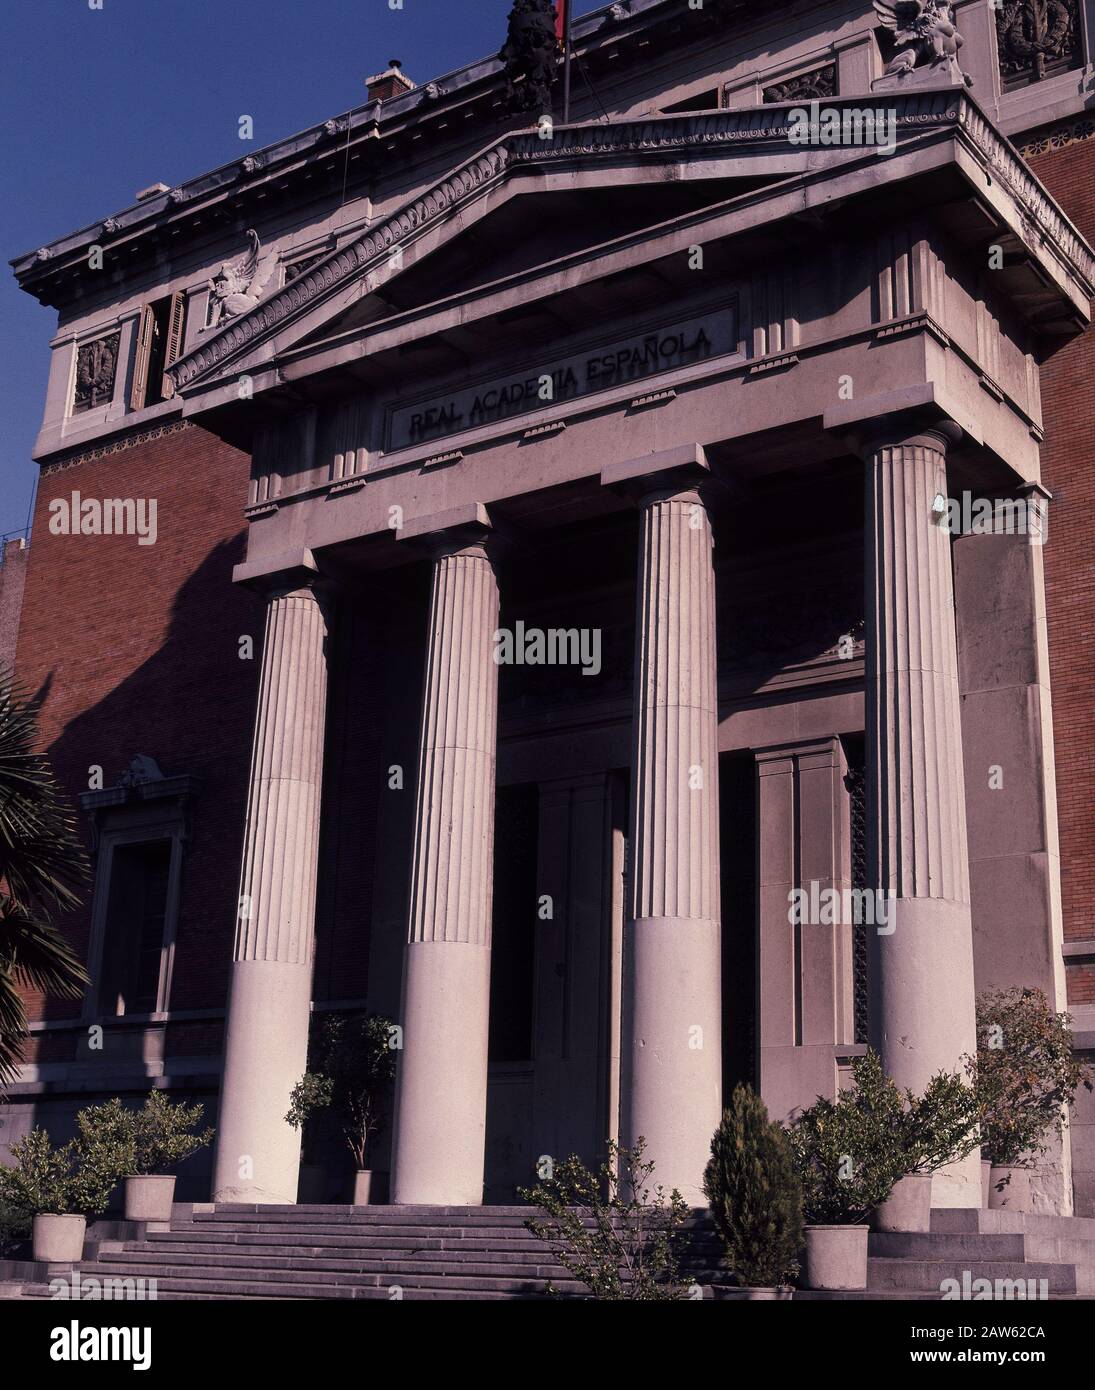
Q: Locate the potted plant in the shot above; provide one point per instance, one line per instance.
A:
(755, 1195)
(1026, 1077)
(140, 1145)
(848, 1152)
(57, 1191)
(351, 1067)
(936, 1129)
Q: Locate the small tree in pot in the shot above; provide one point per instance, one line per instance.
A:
(755, 1195)
(937, 1129)
(56, 1189)
(351, 1068)
(141, 1146)
(1026, 1077)
(849, 1152)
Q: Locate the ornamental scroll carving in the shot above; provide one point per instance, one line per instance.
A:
(1036, 39)
(96, 366)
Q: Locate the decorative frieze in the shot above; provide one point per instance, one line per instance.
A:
(1056, 137)
(96, 368)
(116, 446)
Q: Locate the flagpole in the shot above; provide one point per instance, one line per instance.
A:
(566, 62)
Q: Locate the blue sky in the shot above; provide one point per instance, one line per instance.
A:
(96, 103)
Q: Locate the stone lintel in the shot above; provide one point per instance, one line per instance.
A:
(907, 410)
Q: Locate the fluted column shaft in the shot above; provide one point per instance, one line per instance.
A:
(441, 1098)
(922, 988)
(672, 993)
(266, 1037)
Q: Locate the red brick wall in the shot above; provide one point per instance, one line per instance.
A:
(137, 651)
(1068, 464)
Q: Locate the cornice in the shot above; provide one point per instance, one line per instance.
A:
(609, 30)
(917, 113)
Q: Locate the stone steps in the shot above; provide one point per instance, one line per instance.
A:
(485, 1253)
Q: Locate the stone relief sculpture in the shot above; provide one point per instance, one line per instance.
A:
(1037, 37)
(926, 37)
(239, 285)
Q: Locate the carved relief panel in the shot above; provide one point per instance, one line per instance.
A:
(96, 369)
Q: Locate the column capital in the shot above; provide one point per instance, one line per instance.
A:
(667, 473)
(912, 415)
(287, 573)
(467, 529)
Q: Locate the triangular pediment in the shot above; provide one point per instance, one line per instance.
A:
(526, 201)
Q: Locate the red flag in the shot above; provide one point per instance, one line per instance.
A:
(561, 20)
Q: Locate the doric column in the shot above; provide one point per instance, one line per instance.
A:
(672, 1051)
(441, 1099)
(266, 1038)
(922, 986)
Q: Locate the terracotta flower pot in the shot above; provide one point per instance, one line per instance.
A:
(1015, 1194)
(908, 1207)
(148, 1196)
(836, 1257)
(739, 1293)
(363, 1183)
(59, 1239)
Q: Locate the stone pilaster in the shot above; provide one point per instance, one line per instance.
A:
(672, 1055)
(266, 1038)
(922, 984)
(441, 1101)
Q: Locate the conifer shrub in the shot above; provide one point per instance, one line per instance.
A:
(755, 1193)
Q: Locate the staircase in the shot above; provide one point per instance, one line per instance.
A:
(421, 1253)
(234, 1251)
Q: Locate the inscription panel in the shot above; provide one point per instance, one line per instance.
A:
(552, 381)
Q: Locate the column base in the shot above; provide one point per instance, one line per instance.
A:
(441, 1103)
(672, 1083)
(265, 1054)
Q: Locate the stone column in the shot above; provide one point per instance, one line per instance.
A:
(922, 986)
(672, 1050)
(266, 1037)
(441, 1098)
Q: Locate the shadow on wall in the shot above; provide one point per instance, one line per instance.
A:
(190, 706)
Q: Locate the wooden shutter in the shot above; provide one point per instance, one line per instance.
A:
(146, 336)
(176, 322)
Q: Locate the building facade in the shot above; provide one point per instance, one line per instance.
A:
(589, 592)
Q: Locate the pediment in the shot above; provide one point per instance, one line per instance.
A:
(525, 201)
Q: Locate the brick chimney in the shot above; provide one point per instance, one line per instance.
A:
(389, 83)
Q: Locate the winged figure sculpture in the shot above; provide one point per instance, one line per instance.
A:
(924, 32)
(239, 285)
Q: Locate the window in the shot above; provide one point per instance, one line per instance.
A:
(135, 928)
(159, 343)
(140, 827)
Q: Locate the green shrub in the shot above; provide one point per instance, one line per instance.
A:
(1025, 1074)
(15, 1227)
(49, 1181)
(850, 1151)
(115, 1139)
(755, 1193)
(611, 1229)
(351, 1067)
(940, 1126)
